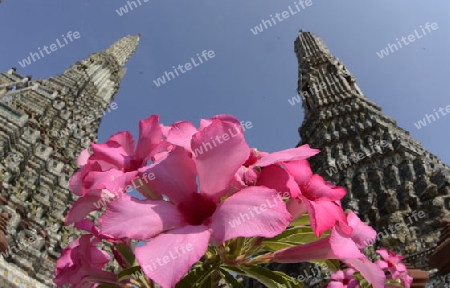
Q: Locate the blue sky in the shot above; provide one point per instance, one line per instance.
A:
(251, 76)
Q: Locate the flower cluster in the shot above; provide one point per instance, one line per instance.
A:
(183, 222)
(392, 266)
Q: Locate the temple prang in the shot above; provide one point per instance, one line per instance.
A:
(36, 161)
(389, 177)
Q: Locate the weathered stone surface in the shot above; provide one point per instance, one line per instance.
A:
(36, 160)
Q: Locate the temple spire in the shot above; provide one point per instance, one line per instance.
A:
(44, 125)
(122, 49)
(387, 174)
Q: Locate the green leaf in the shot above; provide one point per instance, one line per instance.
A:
(290, 232)
(127, 253)
(292, 237)
(233, 283)
(235, 247)
(301, 238)
(132, 272)
(272, 279)
(197, 277)
(330, 264)
(302, 221)
(275, 246)
(392, 282)
(135, 274)
(290, 279)
(333, 265)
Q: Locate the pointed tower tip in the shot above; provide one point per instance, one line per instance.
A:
(123, 48)
(139, 36)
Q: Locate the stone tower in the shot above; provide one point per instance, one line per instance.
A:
(388, 174)
(44, 125)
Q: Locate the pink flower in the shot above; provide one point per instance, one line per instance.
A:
(392, 262)
(343, 279)
(195, 216)
(119, 151)
(112, 167)
(81, 263)
(339, 245)
(405, 279)
(309, 193)
(250, 171)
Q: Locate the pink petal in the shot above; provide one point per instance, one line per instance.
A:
(181, 134)
(362, 234)
(216, 166)
(162, 148)
(85, 205)
(296, 208)
(300, 153)
(65, 260)
(382, 264)
(223, 117)
(335, 246)
(343, 246)
(370, 271)
(277, 178)
(168, 257)
(146, 217)
(300, 170)
(237, 216)
(68, 269)
(318, 189)
(159, 157)
(237, 182)
(174, 176)
(254, 156)
(83, 157)
(320, 249)
(95, 164)
(87, 225)
(324, 215)
(401, 268)
(164, 129)
(94, 257)
(150, 135)
(111, 152)
(339, 275)
(334, 284)
(76, 181)
(384, 253)
(113, 180)
(250, 176)
(125, 139)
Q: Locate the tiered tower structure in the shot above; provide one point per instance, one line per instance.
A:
(44, 125)
(390, 178)
(388, 174)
